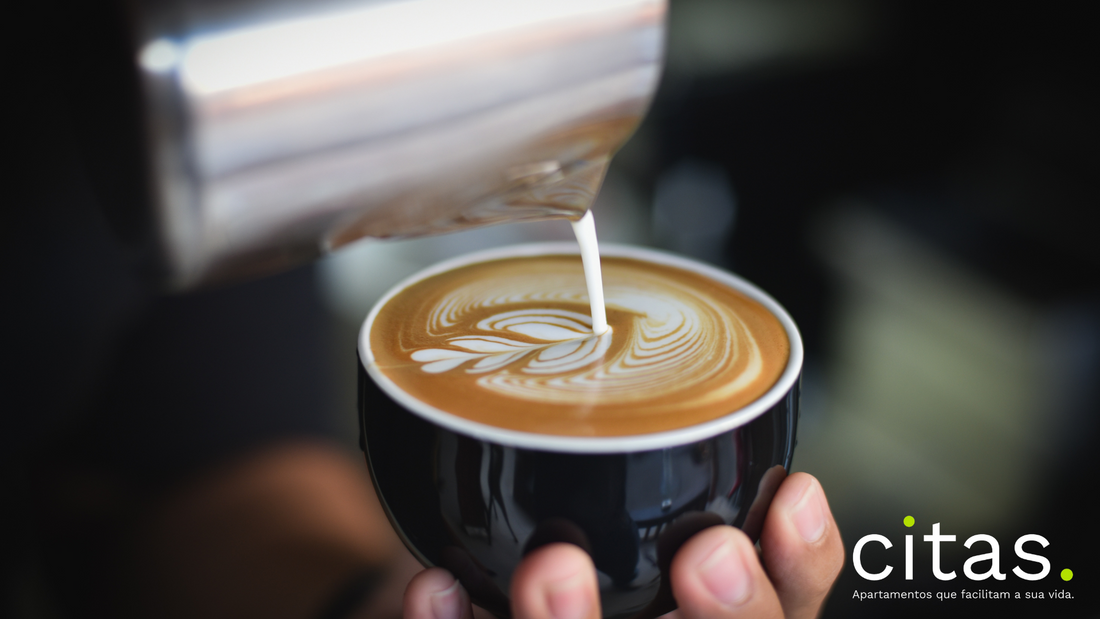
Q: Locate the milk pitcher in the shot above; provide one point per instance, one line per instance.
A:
(263, 133)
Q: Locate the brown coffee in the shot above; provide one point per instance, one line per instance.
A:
(509, 343)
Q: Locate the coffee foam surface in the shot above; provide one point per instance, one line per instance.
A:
(509, 343)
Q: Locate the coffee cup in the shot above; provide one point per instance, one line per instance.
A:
(475, 497)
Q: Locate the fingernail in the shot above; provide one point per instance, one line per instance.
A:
(449, 603)
(570, 598)
(725, 575)
(809, 514)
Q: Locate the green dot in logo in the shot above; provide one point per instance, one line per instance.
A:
(1067, 574)
(909, 521)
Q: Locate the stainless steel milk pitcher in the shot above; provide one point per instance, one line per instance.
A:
(273, 131)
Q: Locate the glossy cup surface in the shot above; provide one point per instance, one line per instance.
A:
(474, 499)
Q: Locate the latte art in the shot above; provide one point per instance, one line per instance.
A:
(566, 346)
(510, 343)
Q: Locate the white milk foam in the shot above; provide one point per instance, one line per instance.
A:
(585, 231)
(575, 331)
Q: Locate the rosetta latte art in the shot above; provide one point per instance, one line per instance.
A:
(675, 338)
(509, 343)
(567, 347)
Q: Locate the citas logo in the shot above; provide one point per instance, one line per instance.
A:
(1033, 567)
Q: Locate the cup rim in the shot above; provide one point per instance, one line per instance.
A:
(590, 444)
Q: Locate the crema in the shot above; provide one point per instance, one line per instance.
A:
(509, 343)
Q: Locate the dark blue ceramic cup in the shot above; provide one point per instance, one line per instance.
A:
(475, 499)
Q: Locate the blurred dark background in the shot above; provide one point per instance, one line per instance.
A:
(914, 181)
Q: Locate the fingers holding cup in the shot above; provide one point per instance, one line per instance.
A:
(801, 546)
(435, 594)
(557, 581)
(717, 574)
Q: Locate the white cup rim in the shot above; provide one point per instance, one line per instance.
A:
(590, 444)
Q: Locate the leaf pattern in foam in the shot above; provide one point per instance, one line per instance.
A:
(565, 343)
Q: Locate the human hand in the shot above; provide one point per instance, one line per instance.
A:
(715, 574)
